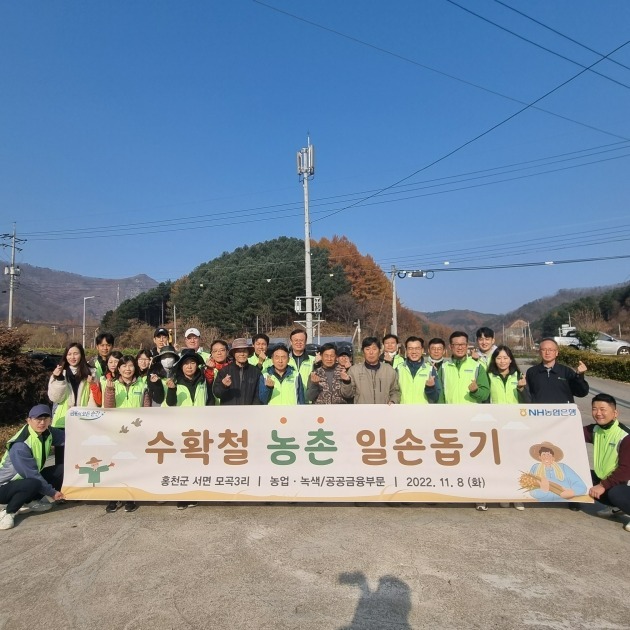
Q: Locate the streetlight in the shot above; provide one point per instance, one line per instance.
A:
(85, 299)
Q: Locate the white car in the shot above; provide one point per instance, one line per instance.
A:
(605, 343)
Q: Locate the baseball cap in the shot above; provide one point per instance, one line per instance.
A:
(192, 331)
(160, 332)
(39, 410)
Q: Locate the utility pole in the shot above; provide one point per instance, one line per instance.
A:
(12, 270)
(404, 273)
(306, 171)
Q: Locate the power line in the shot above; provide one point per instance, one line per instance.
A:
(533, 43)
(430, 69)
(252, 215)
(557, 32)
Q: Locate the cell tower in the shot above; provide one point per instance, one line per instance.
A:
(306, 171)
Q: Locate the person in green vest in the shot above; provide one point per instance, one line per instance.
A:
(279, 384)
(391, 351)
(24, 480)
(188, 387)
(260, 343)
(417, 378)
(126, 391)
(611, 457)
(300, 361)
(104, 345)
(507, 386)
(463, 380)
(193, 341)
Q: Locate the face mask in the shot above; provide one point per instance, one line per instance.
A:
(167, 362)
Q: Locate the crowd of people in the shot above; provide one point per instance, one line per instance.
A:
(243, 373)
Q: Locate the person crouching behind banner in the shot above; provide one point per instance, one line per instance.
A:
(126, 391)
(23, 479)
(69, 386)
(611, 457)
(279, 384)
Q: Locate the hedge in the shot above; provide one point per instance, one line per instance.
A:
(613, 367)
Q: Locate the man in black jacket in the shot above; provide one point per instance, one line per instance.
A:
(237, 383)
(551, 382)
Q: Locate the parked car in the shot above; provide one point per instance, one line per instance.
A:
(604, 343)
(49, 361)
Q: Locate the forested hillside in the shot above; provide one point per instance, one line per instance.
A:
(257, 286)
(606, 312)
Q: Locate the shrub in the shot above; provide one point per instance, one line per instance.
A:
(615, 368)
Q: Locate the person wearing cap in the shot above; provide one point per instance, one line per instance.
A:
(237, 382)
(23, 479)
(193, 342)
(160, 339)
(188, 387)
(161, 368)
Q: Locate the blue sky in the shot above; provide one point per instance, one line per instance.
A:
(149, 137)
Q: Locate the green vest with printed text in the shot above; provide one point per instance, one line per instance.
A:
(59, 417)
(455, 381)
(284, 392)
(606, 448)
(412, 387)
(131, 396)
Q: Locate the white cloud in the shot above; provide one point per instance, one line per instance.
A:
(484, 417)
(99, 440)
(124, 455)
(515, 425)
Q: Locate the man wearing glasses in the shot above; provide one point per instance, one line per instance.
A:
(551, 382)
(23, 479)
(464, 380)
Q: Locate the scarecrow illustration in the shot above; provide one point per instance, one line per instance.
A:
(93, 470)
(549, 480)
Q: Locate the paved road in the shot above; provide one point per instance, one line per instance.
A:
(316, 567)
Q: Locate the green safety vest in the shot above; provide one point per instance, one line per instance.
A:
(253, 360)
(131, 396)
(306, 367)
(284, 392)
(455, 381)
(59, 417)
(183, 395)
(412, 387)
(503, 393)
(606, 444)
(40, 450)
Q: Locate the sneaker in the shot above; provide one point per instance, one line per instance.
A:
(6, 520)
(626, 526)
(192, 503)
(182, 505)
(131, 506)
(481, 507)
(112, 506)
(41, 505)
(519, 506)
(608, 512)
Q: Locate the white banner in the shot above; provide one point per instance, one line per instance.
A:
(424, 453)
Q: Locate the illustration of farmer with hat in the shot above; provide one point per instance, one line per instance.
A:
(549, 480)
(93, 470)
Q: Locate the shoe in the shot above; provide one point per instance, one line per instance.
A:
(504, 505)
(481, 507)
(182, 505)
(131, 506)
(112, 506)
(608, 512)
(41, 505)
(6, 520)
(519, 506)
(192, 503)
(626, 526)
(574, 507)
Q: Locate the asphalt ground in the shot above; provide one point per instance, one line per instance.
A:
(378, 567)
